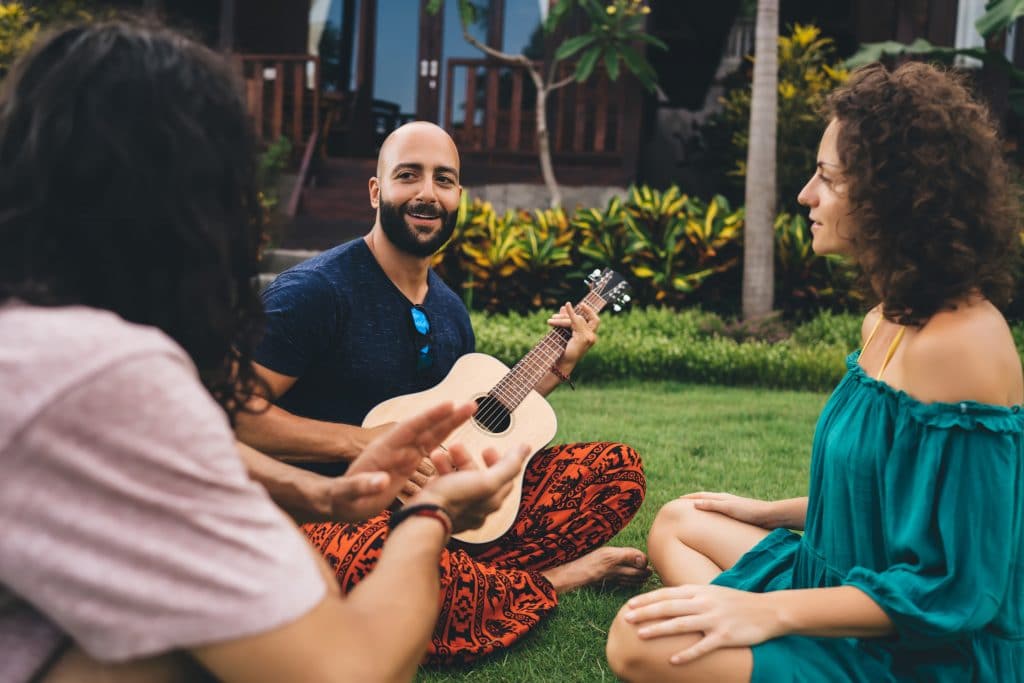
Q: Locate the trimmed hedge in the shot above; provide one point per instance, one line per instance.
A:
(658, 343)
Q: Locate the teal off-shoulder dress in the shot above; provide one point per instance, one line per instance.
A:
(921, 506)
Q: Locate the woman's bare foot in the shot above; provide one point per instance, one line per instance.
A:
(620, 566)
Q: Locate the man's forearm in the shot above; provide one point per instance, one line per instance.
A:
(550, 381)
(302, 494)
(288, 437)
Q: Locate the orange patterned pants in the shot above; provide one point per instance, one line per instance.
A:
(575, 498)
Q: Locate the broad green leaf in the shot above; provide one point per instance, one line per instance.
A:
(611, 62)
(585, 66)
(873, 52)
(1000, 15)
(649, 39)
(636, 63)
(556, 14)
(467, 12)
(574, 45)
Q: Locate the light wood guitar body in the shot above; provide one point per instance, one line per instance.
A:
(532, 422)
(509, 412)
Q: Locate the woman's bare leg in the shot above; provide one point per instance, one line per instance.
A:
(687, 545)
(638, 661)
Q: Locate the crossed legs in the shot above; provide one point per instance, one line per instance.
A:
(686, 546)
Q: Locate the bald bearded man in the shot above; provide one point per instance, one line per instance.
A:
(369, 320)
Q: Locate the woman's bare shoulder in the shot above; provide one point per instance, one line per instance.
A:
(870, 320)
(965, 354)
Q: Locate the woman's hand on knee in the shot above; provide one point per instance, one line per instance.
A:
(748, 510)
(725, 616)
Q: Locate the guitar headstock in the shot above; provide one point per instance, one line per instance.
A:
(610, 286)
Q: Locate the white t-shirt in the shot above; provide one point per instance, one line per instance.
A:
(127, 520)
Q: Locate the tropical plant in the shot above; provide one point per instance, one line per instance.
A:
(676, 242)
(999, 16)
(603, 239)
(806, 283)
(21, 23)
(515, 261)
(610, 37)
(808, 71)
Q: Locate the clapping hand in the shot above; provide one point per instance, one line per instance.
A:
(389, 460)
(466, 491)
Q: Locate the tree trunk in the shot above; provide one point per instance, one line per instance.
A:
(547, 170)
(759, 231)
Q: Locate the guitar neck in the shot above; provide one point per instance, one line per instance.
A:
(528, 372)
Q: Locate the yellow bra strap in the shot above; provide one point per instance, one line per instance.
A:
(891, 351)
(872, 335)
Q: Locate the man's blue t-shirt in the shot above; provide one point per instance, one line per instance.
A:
(338, 324)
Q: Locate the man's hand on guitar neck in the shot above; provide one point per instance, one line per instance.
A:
(583, 322)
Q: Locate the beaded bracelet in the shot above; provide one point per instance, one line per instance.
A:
(422, 510)
(563, 377)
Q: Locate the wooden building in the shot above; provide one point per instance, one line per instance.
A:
(335, 76)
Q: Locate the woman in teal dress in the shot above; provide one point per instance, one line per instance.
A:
(909, 567)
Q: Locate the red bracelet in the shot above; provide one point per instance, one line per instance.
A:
(422, 510)
(563, 377)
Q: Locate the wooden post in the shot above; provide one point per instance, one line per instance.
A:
(516, 110)
(277, 125)
(601, 104)
(298, 97)
(469, 125)
(491, 110)
(226, 39)
(346, 43)
(257, 98)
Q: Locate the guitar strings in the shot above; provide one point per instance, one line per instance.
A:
(535, 361)
(538, 361)
(553, 344)
(532, 361)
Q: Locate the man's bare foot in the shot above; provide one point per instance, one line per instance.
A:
(620, 566)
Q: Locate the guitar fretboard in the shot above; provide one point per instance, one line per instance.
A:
(525, 375)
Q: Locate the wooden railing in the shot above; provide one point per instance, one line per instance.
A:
(498, 103)
(283, 95)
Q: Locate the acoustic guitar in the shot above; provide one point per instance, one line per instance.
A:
(509, 411)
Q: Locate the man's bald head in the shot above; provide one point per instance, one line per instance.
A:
(416, 136)
(416, 191)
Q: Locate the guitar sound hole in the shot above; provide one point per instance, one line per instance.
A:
(492, 415)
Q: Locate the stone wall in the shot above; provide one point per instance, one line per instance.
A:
(526, 196)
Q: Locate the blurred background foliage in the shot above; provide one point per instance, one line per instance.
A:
(676, 250)
(808, 70)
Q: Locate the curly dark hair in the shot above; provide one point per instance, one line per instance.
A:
(127, 183)
(936, 212)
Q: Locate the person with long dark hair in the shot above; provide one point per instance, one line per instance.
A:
(910, 566)
(135, 546)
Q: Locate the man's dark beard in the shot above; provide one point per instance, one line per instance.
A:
(405, 237)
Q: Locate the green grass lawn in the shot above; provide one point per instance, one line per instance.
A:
(753, 442)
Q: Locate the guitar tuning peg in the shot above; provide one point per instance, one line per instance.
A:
(616, 308)
(596, 273)
(625, 298)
